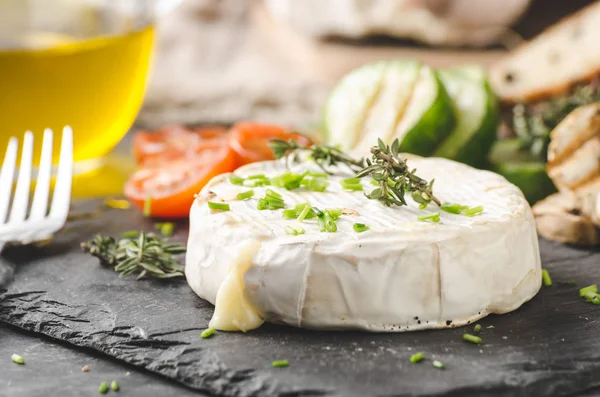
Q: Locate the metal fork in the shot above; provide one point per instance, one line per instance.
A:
(41, 224)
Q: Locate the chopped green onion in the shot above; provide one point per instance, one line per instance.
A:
(318, 175)
(207, 333)
(130, 234)
(335, 213)
(17, 359)
(218, 206)
(592, 297)
(321, 221)
(546, 278)
(453, 208)
(317, 185)
(114, 385)
(290, 214)
(245, 195)
(103, 388)
(472, 338)
(303, 213)
(236, 180)
(273, 193)
(289, 180)
(438, 364)
(435, 217)
(477, 328)
(360, 227)
(166, 229)
(330, 225)
(299, 230)
(262, 204)
(591, 288)
(148, 206)
(473, 211)
(290, 230)
(280, 363)
(256, 182)
(351, 184)
(415, 358)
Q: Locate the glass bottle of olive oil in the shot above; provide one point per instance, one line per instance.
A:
(95, 84)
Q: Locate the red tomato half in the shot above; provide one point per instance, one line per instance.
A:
(171, 183)
(250, 141)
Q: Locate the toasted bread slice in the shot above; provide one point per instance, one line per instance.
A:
(558, 218)
(563, 55)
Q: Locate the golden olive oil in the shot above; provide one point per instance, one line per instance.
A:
(94, 85)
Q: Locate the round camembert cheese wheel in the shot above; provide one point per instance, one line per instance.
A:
(402, 274)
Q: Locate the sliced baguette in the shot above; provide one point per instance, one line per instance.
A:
(563, 55)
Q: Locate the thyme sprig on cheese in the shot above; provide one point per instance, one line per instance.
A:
(390, 171)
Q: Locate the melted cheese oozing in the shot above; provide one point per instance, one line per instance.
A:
(233, 310)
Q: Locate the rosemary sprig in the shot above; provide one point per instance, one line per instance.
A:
(146, 253)
(386, 167)
(533, 123)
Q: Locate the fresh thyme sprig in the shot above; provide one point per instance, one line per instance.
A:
(532, 124)
(145, 253)
(385, 166)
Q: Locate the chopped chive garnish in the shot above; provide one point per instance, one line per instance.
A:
(592, 297)
(17, 359)
(415, 358)
(321, 221)
(299, 230)
(318, 175)
(103, 388)
(166, 229)
(335, 213)
(147, 206)
(360, 227)
(290, 214)
(245, 195)
(453, 208)
(351, 184)
(290, 230)
(114, 385)
(477, 328)
(438, 364)
(236, 180)
(273, 193)
(289, 180)
(591, 288)
(330, 226)
(435, 217)
(207, 333)
(218, 206)
(546, 278)
(473, 211)
(256, 182)
(303, 213)
(130, 234)
(280, 363)
(317, 185)
(472, 338)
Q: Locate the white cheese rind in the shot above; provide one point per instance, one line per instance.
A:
(400, 275)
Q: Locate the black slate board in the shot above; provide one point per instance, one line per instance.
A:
(549, 347)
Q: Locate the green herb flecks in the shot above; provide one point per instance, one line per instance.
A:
(280, 363)
(147, 254)
(390, 171)
(546, 278)
(415, 358)
(458, 209)
(245, 195)
(15, 358)
(472, 338)
(438, 364)
(435, 217)
(207, 333)
(218, 206)
(360, 227)
(114, 385)
(477, 328)
(103, 388)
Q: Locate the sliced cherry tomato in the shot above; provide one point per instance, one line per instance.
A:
(172, 183)
(174, 142)
(250, 141)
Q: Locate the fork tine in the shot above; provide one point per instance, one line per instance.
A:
(62, 190)
(21, 197)
(39, 206)
(7, 175)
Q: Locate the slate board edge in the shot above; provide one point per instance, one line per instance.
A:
(217, 380)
